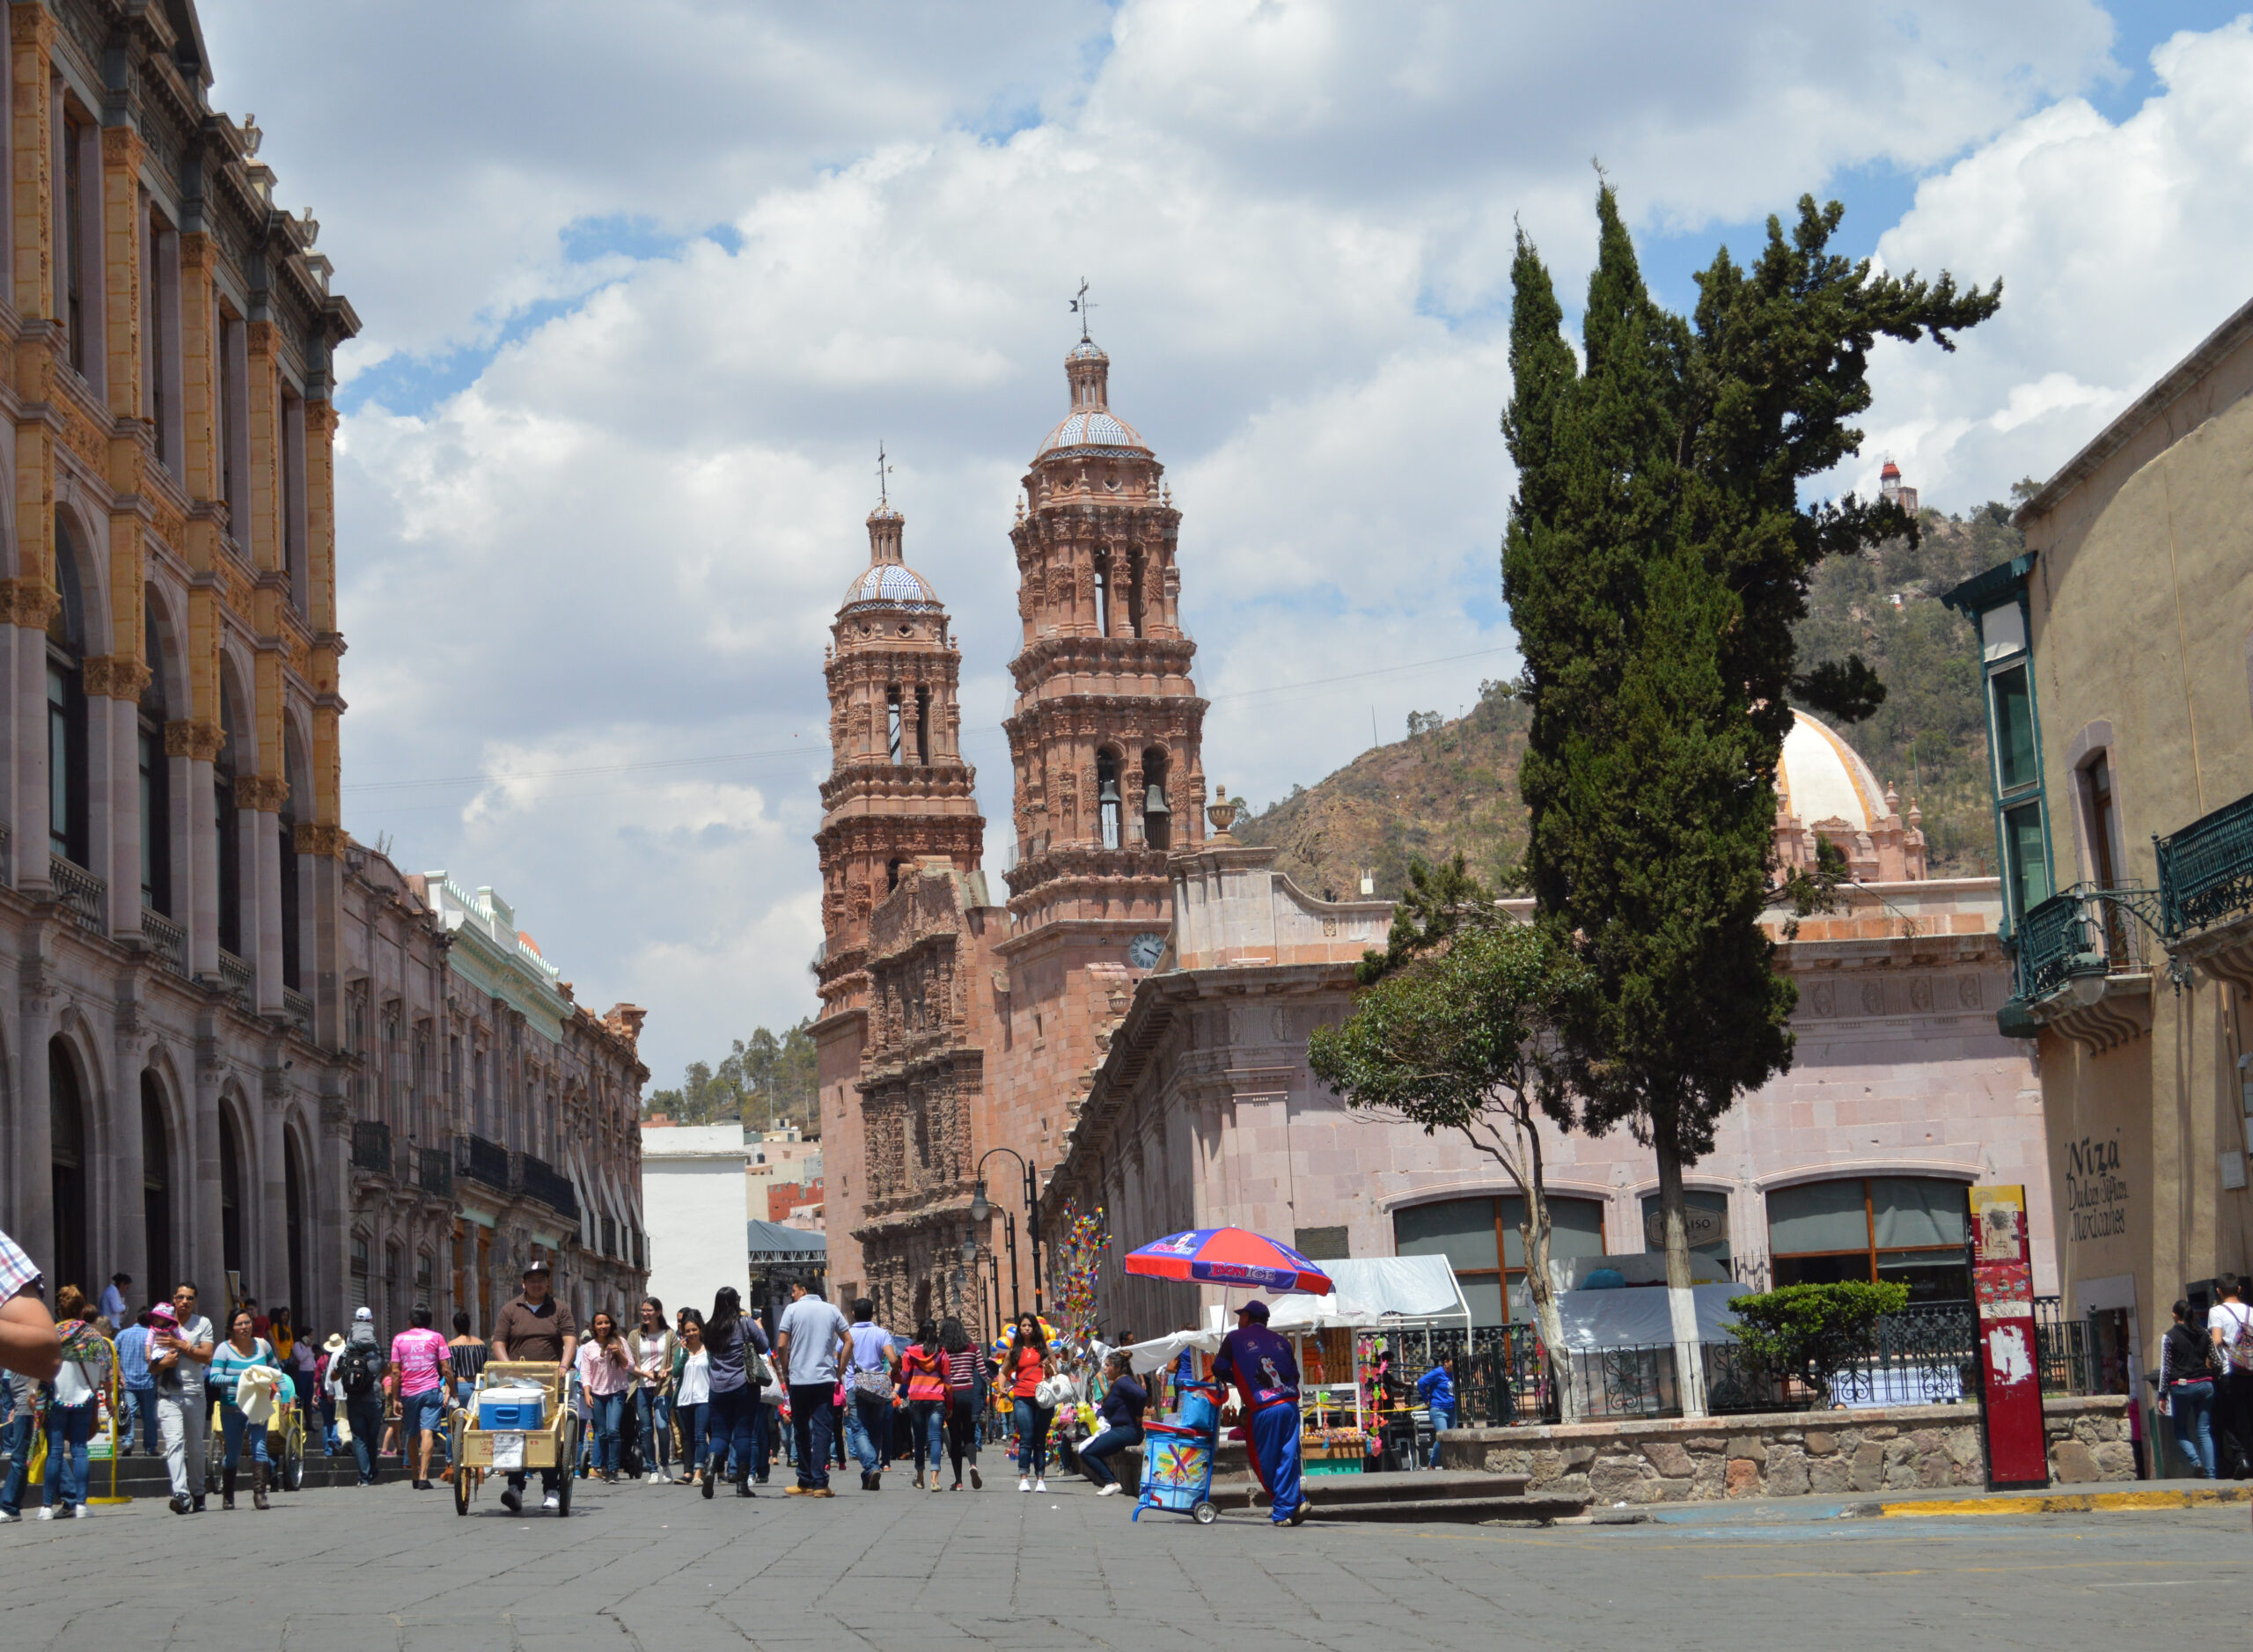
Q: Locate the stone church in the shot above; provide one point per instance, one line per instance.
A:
(960, 1024)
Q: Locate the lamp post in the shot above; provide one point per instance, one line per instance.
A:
(982, 1208)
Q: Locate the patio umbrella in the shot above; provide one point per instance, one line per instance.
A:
(1228, 1256)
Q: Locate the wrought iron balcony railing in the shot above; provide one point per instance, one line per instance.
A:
(2082, 931)
(2206, 870)
(239, 978)
(479, 1160)
(371, 1146)
(538, 1179)
(80, 892)
(434, 1171)
(167, 941)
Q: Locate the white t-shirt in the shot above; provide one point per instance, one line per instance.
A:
(648, 1356)
(815, 1327)
(2226, 1318)
(695, 1380)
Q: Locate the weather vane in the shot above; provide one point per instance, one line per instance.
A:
(1083, 307)
(884, 489)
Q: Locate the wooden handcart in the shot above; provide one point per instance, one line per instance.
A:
(471, 1450)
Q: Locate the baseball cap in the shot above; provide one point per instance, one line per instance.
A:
(1257, 1310)
(536, 1266)
(365, 1313)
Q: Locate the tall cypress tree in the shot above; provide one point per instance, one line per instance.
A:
(1655, 559)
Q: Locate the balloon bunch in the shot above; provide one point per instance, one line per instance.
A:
(1079, 1262)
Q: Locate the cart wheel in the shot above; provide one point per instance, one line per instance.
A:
(1205, 1514)
(293, 1460)
(566, 1478)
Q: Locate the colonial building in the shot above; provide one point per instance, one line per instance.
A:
(2115, 655)
(234, 1043)
(955, 1028)
(1851, 1165)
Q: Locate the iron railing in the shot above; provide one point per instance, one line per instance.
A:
(479, 1160)
(2206, 870)
(237, 976)
(371, 1146)
(81, 893)
(434, 1171)
(538, 1179)
(167, 941)
(2083, 930)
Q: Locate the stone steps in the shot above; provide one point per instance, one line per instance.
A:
(1444, 1496)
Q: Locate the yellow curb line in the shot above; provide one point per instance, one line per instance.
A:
(2072, 1503)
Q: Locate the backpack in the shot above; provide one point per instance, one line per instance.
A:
(2240, 1343)
(356, 1369)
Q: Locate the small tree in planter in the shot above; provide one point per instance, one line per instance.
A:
(1809, 1333)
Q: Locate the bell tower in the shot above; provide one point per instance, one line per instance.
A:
(898, 787)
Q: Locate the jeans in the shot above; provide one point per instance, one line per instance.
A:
(2191, 1406)
(1033, 1435)
(606, 1413)
(143, 1401)
(810, 1426)
(1094, 1453)
(728, 1432)
(232, 1425)
(962, 1430)
(868, 1429)
(69, 1428)
(366, 1416)
(1442, 1417)
(763, 1436)
(18, 1438)
(656, 1413)
(929, 1419)
(691, 1419)
(185, 1420)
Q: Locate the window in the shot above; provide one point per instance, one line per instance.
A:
(359, 1270)
(286, 859)
(1102, 601)
(2026, 854)
(1910, 1230)
(2015, 754)
(1106, 793)
(66, 709)
(70, 245)
(1707, 1215)
(2014, 733)
(891, 721)
(226, 821)
(1157, 815)
(1479, 1238)
(292, 475)
(156, 784)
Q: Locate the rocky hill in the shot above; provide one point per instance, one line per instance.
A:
(1452, 785)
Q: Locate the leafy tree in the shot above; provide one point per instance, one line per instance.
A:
(1460, 1037)
(1657, 561)
(1437, 902)
(1813, 1331)
(766, 1082)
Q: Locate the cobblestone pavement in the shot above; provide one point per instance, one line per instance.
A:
(658, 1566)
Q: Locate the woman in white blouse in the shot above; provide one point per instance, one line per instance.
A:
(691, 1397)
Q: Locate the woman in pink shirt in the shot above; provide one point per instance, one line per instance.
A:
(419, 1359)
(606, 1374)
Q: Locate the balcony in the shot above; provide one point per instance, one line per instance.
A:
(298, 1010)
(167, 941)
(371, 1146)
(80, 892)
(434, 1171)
(237, 977)
(2205, 892)
(2081, 965)
(538, 1179)
(485, 1163)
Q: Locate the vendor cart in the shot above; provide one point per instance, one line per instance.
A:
(1177, 1456)
(475, 1450)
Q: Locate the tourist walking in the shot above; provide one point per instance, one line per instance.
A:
(654, 1349)
(923, 1372)
(537, 1328)
(812, 1337)
(466, 1358)
(1436, 1389)
(139, 1388)
(966, 1374)
(323, 1399)
(1265, 1374)
(2230, 1324)
(421, 1361)
(2186, 1389)
(692, 1393)
(241, 1350)
(605, 1375)
(867, 1393)
(733, 1343)
(1028, 1366)
(70, 1408)
(114, 1307)
(181, 1343)
(1124, 1400)
(355, 1386)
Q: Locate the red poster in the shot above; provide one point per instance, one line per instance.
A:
(2002, 1284)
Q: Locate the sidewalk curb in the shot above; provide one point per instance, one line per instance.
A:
(2056, 1503)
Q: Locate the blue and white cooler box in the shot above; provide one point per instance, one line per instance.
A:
(515, 1408)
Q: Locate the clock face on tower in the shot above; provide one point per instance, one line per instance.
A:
(1142, 951)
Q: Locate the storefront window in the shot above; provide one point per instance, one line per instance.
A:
(1479, 1238)
(1708, 1218)
(1903, 1229)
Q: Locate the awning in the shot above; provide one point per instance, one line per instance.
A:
(1377, 1290)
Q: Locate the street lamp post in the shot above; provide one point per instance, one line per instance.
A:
(981, 1208)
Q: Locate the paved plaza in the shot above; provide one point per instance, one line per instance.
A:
(643, 1566)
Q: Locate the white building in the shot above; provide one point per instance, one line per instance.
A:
(693, 1190)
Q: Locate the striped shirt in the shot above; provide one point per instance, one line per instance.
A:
(228, 1363)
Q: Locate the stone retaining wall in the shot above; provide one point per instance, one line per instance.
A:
(1786, 1454)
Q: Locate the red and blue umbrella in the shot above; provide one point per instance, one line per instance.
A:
(1228, 1256)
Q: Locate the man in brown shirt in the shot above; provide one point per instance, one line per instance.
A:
(536, 1327)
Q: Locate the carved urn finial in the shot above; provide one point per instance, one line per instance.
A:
(1222, 814)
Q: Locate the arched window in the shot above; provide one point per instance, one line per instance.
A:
(157, 1187)
(1479, 1238)
(892, 722)
(66, 709)
(1106, 796)
(292, 942)
(1101, 600)
(156, 783)
(67, 1145)
(1157, 814)
(226, 822)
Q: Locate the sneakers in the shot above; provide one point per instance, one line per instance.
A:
(513, 1501)
(1112, 1490)
(180, 1505)
(976, 1484)
(550, 1501)
(656, 1478)
(46, 1511)
(1024, 1484)
(1040, 1485)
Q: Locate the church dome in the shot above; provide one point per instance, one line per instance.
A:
(1090, 427)
(892, 586)
(1820, 778)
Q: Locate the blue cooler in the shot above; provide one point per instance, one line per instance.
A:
(512, 1410)
(1200, 1406)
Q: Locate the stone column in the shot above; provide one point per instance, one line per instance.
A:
(207, 1249)
(273, 1224)
(191, 746)
(259, 799)
(113, 687)
(129, 1236)
(331, 1205)
(34, 1143)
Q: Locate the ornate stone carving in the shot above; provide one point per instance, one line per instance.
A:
(267, 794)
(115, 677)
(1873, 998)
(1825, 998)
(1967, 991)
(314, 837)
(30, 601)
(198, 739)
(1920, 994)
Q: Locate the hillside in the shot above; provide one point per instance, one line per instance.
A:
(1452, 784)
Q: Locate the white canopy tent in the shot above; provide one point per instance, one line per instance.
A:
(1407, 1292)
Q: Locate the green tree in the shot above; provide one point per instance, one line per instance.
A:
(767, 1083)
(1459, 1036)
(1657, 561)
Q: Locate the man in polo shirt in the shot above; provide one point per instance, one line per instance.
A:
(809, 1341)
(535, 1328)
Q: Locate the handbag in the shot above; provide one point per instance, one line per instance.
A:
(876, 1385)
(1052, 1392)
(770, 1386)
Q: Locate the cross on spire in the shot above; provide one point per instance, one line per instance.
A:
(1083, 307)
(883, 473)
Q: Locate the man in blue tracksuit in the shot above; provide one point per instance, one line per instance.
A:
(1262, 1366)
(1436, 1389)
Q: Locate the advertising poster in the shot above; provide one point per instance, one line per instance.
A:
(2010, 1376)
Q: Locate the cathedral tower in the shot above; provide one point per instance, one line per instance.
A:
(898, 787)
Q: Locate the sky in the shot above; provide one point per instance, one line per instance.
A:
(642, 289)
